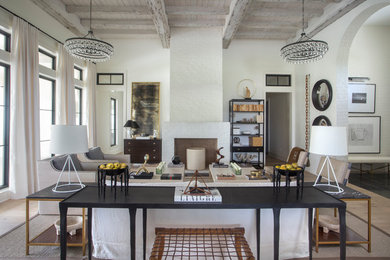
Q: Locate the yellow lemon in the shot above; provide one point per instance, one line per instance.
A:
(117, 165)
(283, 167)
(277, 166)
(295, 165)
(109, 166)
(102, 166)
(123, 165)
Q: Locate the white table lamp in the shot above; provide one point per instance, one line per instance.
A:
(328, 141)
(68, 139)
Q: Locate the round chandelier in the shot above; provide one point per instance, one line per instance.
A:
(305, 49)
(88, 47)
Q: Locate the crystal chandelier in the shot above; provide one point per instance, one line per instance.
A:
(88, 47)
(305, 49)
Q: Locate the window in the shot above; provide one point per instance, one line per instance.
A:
(113, 122)
(47, 113)
(5, 41)
(47, 60)
(78, 102)
(4, 124)
(78, 73)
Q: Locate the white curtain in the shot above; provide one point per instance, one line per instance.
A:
(91, 103)
(24, 121)
(65, 95)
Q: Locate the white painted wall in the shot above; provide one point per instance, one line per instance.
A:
(196, 75)
(370, 57)
(141, 60)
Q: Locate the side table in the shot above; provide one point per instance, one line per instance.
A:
(353, 237)
(49, 237)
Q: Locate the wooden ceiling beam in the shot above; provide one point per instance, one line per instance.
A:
(197, 10)
(123, 31)
(160, 19)
(85, 22)
(196, 23)
(238, 9)
(140, 10)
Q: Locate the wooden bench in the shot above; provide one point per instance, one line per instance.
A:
(370, 159)
(201, 243)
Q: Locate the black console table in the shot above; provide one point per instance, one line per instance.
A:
(233, 198)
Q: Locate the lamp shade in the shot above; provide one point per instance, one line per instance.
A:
(68, 139)
(131, 123)
(329, 140)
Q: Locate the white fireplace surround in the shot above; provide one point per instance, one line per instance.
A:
(172, 130)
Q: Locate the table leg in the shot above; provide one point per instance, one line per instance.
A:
(342, 232)
(83, 233)
(132, 212)
(258, 232)
(27, 226)
(276, 232)
(144, 220)
(89, 233)
(63, 212)
(317, 228)
(310, 222)
(369, 225)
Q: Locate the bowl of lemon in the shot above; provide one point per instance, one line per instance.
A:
(292, 168)
(113, 166)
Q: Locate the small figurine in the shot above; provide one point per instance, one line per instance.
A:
(247, 93)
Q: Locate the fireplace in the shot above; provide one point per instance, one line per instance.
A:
(177, 136)
(210, 145)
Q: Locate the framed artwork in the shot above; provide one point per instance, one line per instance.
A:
(145, 106)
(361, 98)
(280, 80)
(364, 134)
(322, 94)
(110, 79)
(322, 121)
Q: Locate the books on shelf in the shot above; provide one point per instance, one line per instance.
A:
(248, 107)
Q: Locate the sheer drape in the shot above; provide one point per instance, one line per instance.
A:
(91, 103)
(24, 113)
(65, 95)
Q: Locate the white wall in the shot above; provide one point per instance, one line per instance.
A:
(141, 60)
(196, 75)
(370, 57)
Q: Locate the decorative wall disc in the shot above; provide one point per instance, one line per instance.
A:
(322, 94)
(322, 121)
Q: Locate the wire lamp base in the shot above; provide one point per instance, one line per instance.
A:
(69, 186)
(332, 188)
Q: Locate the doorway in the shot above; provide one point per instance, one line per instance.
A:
(278, 121)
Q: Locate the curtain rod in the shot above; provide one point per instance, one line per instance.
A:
(9, 11)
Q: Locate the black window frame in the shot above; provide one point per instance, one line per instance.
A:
(7, 40)
(53, 103)
(81, 72)
(115, 121)
(6, 124)
(54, 58)
(80, 105)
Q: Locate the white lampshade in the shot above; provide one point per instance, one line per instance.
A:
(328, 140)
(68, 139)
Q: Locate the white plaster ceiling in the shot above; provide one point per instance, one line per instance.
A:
(240, 19)
(380, 18)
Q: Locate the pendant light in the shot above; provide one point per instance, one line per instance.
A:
(88, 47)
(305, 49)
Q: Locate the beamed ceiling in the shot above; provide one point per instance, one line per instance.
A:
(239, 19)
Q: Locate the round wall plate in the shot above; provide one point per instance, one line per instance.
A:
(322, 121)
(322, 94)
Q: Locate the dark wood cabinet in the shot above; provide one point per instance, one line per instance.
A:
(138, 148)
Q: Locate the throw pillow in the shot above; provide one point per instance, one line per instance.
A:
(59, 161)
(95, 153)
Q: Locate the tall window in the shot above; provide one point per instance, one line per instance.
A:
(4, 124)
(5, 41)
(47, 113)
(78, 73)
(114, 130)
(78, 101)
(47, 59)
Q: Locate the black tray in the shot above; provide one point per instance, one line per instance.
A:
(142, 175)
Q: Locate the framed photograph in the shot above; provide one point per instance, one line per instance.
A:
(322, 95)
(110, 79)
(361, 98)
(145, 106)
(364, 134)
